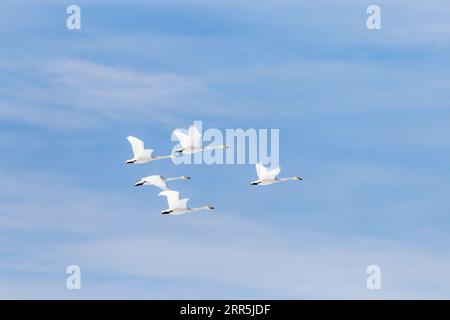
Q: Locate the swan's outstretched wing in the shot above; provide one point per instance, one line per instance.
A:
(261, 171)
(182, 204)
(157, 181)
(272, 174)
(137, 145)
(182, 137)
(195, 137)
(172, 198)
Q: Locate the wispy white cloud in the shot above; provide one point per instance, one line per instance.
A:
(75, 94)
(273, 264)
(48, 203)
(300, 267)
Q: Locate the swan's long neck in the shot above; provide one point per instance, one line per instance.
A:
(290, 178)
(209, 147)
(164, 157)
(201, 208)
(178, 178)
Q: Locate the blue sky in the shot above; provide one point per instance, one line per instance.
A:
(363, 118)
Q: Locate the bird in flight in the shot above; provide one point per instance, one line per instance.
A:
(266, 176)
(177, 206)
(158, 181)
(191, 142)
(140, 154)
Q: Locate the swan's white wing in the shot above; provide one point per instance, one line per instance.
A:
(157, 181)
(261, 171)
(137, 145)
(182, 204)
(195, 137)
(172, 198)
(272, 174)
(182, 137)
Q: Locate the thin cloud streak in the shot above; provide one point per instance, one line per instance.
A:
(76, 94)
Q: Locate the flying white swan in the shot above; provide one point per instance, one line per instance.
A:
(177, 206)
(158, 181)
(266, 177)
(142, 155)
(192, 141)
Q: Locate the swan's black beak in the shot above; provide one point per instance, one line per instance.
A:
(212, 208)
(298, 178)
(166, 212)
(130, 161)
(140, 183)
(254, 183)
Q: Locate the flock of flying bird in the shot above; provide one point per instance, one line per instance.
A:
(190, 143)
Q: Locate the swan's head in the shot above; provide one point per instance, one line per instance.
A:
(297, 178)
(166, 212)
(130, 161)
(210, 208)
(186, 178)
(139, 183)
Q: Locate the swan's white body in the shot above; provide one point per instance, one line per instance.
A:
(158, 181)
(140, 154)
(177, 206)
(192, 141)
(266, 177)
